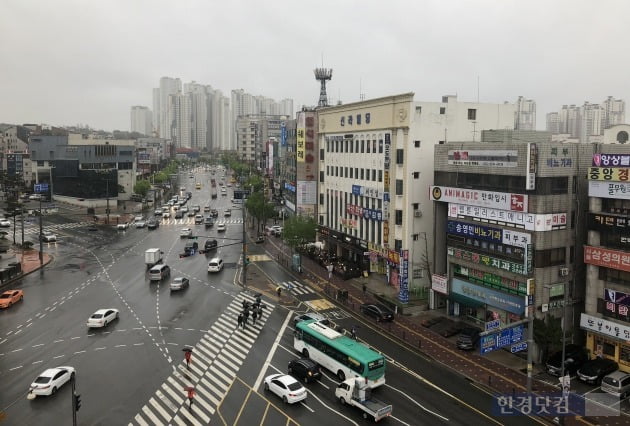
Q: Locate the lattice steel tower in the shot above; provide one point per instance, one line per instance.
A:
(321, 75)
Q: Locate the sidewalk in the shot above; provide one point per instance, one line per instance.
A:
(499, 372)
(29, 262)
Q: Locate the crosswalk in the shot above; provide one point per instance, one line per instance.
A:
(52, 228)
(191, 221)
(296, 287)
(216, 359)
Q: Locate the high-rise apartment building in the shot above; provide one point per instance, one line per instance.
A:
(168, 86)
(525, 116)
(588, 121)
(141, 120)
(553, 123)
(614, 112)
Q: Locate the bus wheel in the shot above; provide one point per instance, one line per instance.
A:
(305, 353)
(341, 376)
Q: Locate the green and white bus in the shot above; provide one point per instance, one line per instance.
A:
(343, 356)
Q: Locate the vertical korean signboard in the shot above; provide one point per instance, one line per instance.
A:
(403, 277)
(532, 162)
(300, 149)
(386, 164)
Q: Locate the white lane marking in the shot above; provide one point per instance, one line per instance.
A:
(79, 352)
(99, 349)
(15, 368)
(273, 350)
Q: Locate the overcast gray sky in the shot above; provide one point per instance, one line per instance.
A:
(66, 62)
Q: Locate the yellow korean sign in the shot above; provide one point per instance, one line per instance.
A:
(609, 174)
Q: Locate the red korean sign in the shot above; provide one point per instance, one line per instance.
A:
(613, 259)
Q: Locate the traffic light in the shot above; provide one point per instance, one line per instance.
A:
(77, 402)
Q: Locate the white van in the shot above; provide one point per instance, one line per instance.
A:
(215, 264)
(159, 272)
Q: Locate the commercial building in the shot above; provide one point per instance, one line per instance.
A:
(375, 169)
(510, 219)
(606, 317)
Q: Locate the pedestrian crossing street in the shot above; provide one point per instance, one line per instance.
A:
(215, 361)
(191, 221)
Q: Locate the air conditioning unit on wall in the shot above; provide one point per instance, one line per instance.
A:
(564, 272)
(417, 213)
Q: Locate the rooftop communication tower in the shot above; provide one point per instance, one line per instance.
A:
(321, 75)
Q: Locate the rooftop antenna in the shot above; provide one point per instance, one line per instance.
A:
(322, 75)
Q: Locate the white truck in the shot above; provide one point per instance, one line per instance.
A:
(152, 257)
(356, 392)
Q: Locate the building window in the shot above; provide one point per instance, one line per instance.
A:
(368, 150)
(397, 245)
(362, 147)
(399, 187)
(442, 110)
(380, 176)
(321, 176)
(400, 156)
(374, 175)
(380, 146)
(351, 172)
(418, 109)
(362, 174)
(416, 175)
(321, 199)
(399, 217)
(415, 206)
(321, 155)
(472, 114)
(416, 144)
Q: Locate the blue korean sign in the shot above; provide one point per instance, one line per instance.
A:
(372, 214)
(521, 346)
(40, 187)
(283, 134)
(488, 296)
(289, 187)
(505, 337)
(403, 278)
(476, 231)
(493, 325)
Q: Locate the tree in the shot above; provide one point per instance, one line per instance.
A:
(142, 187)
(299, 230)
(548, 335)
(259, 208)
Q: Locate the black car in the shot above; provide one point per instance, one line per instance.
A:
(468, 338)
(208, 221)
(304, 369)
(377, 311)
(574, 357)
(179, 214)
(210, 245)
(593, 371)
(153, 224)
(214, 213)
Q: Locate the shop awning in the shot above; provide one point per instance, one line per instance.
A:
(466, 301)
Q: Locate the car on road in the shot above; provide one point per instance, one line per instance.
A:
(138, 218)
(208, 221)
(221, 227)
(574, 357)
(286, 387)
(214, 213)
(228, 213)
(158, 212)
(210, 245)
(179, 283)
(51, 380)
(153, 224)
(5, 223)
(198, 219)
(191, 213)
(102, 317)
(215, 264)
(468, 338)
(377, 311)
(304, 369)
(140, 224)
(36, 197)
(184, 209)
(594, 370)
(166, 214)
(196, 209)
(48, 237)
(206, 209)
(311, 316)
(10, 297)
(179, 215)
(276, 230)
(185, 233)
(122, 226)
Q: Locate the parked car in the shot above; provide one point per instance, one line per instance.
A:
(51, 380)
(10, 297)
(594, 370)
(48, 237)
(102, 317)
(276, 230)
(35, 197)
(5, 223)
(179, 283)
(468, 338)
(617, 384)
(575, 356)
(185, 233)
(377, 311)
(286, 387)
(304, 369)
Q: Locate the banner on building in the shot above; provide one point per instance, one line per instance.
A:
(496, 200)
(497, 299)
(607, 258)
(485, 158)
(532, 164)
(306, 192)
(439, 283)
(483, 259)
(611, 160)
(608, 222)
(528, 221)
(619, 190)
(487, 233)
(300, 138)
(609, 174)
(602, 326)
(403, 278)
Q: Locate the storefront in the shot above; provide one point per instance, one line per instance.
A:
(607, 339)
(481, 304)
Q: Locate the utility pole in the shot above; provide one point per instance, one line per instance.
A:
(244, 249)
(107, 195)
(41, 240)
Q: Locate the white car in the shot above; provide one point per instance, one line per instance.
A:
(186, 232)
(184, 209)
(220, 227)
(122, 226)
(158, 212)
(5, 223)
(215, 264)
(141, 224)
(102, 317)
(166, 214)
(286, 387)
(138, 218)
(51, 380)
(48, 237)
(36, 197)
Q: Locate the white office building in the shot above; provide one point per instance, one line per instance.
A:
(525, 118)
(141, 120)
